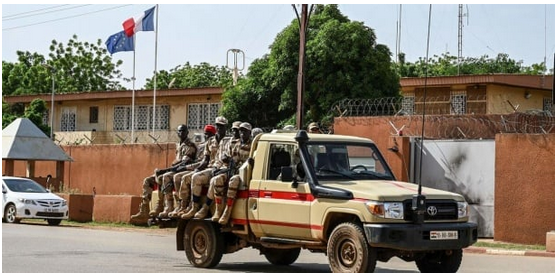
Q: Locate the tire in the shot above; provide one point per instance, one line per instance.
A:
(204, 243)
(441, 261)
(348, 250)
(54, 222)
(9, 214)
(282, 256)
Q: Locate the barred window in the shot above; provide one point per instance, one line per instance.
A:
(200, 114)
(143, 118)
(93, 114)
(46, 117)
(458, 102)
(547, 104)
(408, 105)
(67, 123)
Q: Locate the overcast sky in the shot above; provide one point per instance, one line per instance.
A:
(205, 33)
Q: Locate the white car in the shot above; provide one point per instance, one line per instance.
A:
(23, 198)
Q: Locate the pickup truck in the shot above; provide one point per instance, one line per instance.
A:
(335, 195)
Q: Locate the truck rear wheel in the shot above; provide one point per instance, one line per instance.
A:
(282, 256)
(204, 243)
(441, 261)
(348, 250)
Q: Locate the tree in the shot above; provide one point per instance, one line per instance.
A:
(76, 67)
(447, 65)
(34, 113)
(343, 61)
(187, 76)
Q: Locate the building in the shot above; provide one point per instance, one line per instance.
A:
(107, 117)
(478, 94)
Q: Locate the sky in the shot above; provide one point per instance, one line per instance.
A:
(198, 33)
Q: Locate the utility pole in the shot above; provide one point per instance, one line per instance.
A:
(52, 72)
(235, 68)
(303, 23)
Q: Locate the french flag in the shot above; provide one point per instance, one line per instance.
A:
(142, 22)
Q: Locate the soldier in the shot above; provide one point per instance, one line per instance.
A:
(212, 161)
(314, 128)
(185, 152)
(256, 131)
(182, 200)
(240, 154)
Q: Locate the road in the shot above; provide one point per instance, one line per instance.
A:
(32, 247)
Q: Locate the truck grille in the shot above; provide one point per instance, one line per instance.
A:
(443, 209)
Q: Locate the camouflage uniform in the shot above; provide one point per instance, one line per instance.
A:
(201, 178)
(240, 153)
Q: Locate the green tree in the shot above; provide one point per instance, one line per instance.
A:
(34, 113)
(343, 60)
(187, 76)
(447, 65)
(76, 67)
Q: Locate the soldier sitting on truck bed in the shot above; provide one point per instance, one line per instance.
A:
(183, 199)
(212, 161)
(239, 153)
(185, 152)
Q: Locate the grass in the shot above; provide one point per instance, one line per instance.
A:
(509, 246)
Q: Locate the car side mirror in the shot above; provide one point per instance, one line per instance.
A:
(4, 191)
(286, 174)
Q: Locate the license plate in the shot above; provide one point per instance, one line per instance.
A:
(51, 210)
(444, 235)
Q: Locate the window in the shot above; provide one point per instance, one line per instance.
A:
(458, 102)
(93, 114)
(408, 105)
(67, 123)
(280, 156)
(200, 114)
(143, 117)
(547, 104)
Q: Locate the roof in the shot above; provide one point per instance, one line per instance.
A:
(23, 140)
(527, 81)
(116, 94)
(289, 135)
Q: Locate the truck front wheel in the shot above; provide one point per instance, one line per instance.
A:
(282, 256)
(441, 261)
(348, 250)
(204, 243)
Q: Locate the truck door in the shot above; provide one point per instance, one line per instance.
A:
(283, 210)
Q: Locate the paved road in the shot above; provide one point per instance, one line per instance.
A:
(45, 249)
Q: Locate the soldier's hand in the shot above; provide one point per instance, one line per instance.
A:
(251, 161)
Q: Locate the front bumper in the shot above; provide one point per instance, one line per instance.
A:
(415, 237)
(27, 211)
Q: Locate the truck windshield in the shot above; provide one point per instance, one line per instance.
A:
(356, 161)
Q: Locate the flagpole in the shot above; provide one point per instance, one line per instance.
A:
(133, 96)
(155, 72)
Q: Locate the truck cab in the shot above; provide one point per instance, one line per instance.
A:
(336, 195)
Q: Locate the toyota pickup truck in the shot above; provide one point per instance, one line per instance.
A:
(335, 195)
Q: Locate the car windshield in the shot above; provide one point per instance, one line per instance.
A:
(352, 161)
(24, 185)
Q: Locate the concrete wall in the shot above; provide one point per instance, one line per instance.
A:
(524, 187)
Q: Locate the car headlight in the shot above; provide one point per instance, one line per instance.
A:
(388, 210)
(462, 208)
(27, 201)
(64, 203)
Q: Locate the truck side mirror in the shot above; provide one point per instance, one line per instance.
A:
(286, 174)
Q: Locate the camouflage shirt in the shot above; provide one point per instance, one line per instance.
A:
(185, 151)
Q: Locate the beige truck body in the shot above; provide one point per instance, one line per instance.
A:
(316, 205)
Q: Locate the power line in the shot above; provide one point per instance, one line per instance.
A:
(25, 14)
(32, 11)
(63, 18)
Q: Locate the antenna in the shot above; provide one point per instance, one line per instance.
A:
(460, 44)
(235, 69)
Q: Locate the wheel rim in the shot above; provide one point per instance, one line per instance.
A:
(199, 242)
(11, 214)
(347, 253)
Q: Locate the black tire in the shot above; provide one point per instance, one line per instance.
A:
(441, 261)
(204, 243)
(348, 250)
(282, 256)
(54, 222)
(9, 214)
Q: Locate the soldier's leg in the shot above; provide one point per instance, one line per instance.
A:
(180, 203)
(199, 180)
(167, 189)
(217, 184)
(185, 191)
(142, 216)
(160, 203)
(234, 183)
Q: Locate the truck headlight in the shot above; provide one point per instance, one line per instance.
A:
(462, 208)
(388, 210)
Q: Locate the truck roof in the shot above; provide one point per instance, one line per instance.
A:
(290, 136)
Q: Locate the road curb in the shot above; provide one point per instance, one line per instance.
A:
(491, 251)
